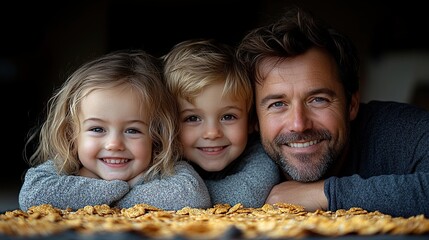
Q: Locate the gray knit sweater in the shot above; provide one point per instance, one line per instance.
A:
(247, 180)
(43, 184)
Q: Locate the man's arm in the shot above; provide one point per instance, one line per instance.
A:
(396, 195)
(309, 195)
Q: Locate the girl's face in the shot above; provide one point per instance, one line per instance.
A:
(114, 142)
(214, 130)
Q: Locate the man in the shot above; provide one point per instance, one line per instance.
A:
(335, 152)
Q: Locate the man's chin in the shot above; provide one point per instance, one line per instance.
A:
(301, 172)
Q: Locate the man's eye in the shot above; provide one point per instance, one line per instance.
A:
(320, 102)
(320, 99)
(276, 105)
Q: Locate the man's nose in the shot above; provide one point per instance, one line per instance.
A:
(298, 119)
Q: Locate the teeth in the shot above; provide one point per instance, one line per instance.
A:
(303, 145)
(115, 161)
(212, 149)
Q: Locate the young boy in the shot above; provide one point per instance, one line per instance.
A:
(215, 99)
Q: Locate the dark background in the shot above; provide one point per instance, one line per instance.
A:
(41, 43)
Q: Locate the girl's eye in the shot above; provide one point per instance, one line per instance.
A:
(132, 131)
(97, 129)
(192, 119)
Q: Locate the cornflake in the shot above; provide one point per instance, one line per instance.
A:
(281, 220)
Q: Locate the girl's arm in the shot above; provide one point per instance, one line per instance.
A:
(43, 185)
(183, 189)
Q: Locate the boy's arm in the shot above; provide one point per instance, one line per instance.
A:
(183, 189)
(250, 183)
(43, 185)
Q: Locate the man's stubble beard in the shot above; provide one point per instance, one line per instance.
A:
(308, 171)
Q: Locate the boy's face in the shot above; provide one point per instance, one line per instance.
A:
(214, 129)
(114, 141)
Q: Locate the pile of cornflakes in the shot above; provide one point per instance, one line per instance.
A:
(270, 221)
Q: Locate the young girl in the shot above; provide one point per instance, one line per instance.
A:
(215, 99)
(110, 138)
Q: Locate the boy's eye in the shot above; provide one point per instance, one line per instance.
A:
(228, 117)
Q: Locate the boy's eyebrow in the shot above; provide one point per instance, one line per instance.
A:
(233, 107)
(226, 107)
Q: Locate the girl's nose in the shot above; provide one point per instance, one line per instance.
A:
(115, 143)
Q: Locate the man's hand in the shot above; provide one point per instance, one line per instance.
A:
(309, 195)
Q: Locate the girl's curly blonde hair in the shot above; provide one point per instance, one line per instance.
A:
(136, 69)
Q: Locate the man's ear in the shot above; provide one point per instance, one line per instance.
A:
(354, 105)
(253, 127)
(253, 122)
(256, 126)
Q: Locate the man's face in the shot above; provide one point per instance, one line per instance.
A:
(303, 115)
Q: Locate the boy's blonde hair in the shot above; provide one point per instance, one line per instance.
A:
(194, 64)
(141, 74)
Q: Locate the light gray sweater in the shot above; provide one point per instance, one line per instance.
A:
(42, 184)
(248, 180)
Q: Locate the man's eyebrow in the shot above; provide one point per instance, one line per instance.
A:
(271, 97)
(327, 91)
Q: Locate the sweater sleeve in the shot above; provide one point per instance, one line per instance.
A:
(251, 181)
(391, 170)
(43, 185)
(183, 189)
(396, 195)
